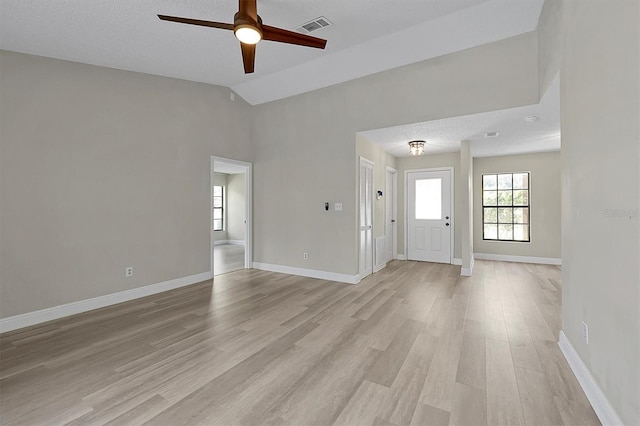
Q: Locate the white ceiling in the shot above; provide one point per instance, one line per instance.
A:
(517, 136)
(367, 36)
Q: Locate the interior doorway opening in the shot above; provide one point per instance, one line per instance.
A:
(230, 225)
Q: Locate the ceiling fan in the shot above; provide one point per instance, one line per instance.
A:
(249, 30)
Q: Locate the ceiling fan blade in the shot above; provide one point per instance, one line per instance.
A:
(248, 57)
(199, 22)
(291, 37)
(248, 8)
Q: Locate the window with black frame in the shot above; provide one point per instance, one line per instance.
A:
(218, 208)
(505, 207)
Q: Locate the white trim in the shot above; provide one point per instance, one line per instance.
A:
(56, 312)
(365, 273)
(401, 257)
(456, 261)
(377, 268)
(452, 182)
(467, 272)
(311, 273)
(521, 259)
(394, 203)
(233, 242)
(596, 397)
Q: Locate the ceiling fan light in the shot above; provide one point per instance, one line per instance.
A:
(248, 34)
(416, 147)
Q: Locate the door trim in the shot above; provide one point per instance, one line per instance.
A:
(394, 207)
(248, 193)
(363, 160)
(406, 206)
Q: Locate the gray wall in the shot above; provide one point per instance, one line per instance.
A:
(103, 169)
(600, 108)
(236, 211)
(305, 153)
(544, 197)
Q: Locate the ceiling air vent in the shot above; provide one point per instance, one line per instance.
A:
(313, 25)
(492, 134)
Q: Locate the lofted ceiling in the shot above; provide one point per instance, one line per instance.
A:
(367, 36)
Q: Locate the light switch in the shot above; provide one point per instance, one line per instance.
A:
(338, 207)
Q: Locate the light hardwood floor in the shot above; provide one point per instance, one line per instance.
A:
(227, 258)
(415, 344)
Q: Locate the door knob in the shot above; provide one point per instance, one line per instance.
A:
(446, 217)
(447, 223)
(393, 221)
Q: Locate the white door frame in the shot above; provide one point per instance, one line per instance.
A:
(394, 204)
(362, 274)
(248, 193)
(406, 207)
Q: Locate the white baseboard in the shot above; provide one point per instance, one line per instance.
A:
(378, 268)
(521, 259)
(456, 261)
(596, 397)
(467, 272)
(56, 312)
(233, 242)
(401, 257)
(311, 273)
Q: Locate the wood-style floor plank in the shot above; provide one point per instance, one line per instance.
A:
(414, 344)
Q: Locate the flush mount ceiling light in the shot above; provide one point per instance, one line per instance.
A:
(248, 34)
(416, 147)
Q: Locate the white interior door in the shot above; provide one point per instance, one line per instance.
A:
(390, 222)
(429, 212)
(366, 217)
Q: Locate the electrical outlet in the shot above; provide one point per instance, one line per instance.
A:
(305, 255)
(128, 271)
(338, 207)
(585, 332)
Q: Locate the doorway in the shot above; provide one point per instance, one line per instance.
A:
(390, 213)
(429, 215)
(366, 217)
(231, 242)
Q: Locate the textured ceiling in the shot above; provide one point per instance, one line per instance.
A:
(367, 36)
(517, 136)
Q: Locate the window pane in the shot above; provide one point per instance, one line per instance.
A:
(217, 191)
(217, 201)
(521, 215)
(490, 232)
(505, 215)
(429, 199)
(489, 181)
(521, 180)
(504, 181)
(490, 215)
(217, 213)
(505, 232)
(217, 225)
(521, 232)
(521, 197)
(504, 198)
(490, 198)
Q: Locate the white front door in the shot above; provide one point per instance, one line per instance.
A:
(429, 216)
(366, 217)
(390, 222)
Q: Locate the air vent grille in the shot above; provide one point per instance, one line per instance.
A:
(313, 25)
